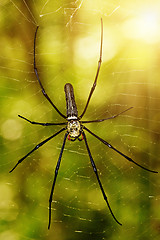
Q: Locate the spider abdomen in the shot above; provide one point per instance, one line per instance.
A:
(70, 101)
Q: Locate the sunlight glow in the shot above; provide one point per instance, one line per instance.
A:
(88, 48)
(146, 26)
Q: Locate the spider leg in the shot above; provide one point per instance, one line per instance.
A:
(100, 184)
(122, 154)
(42, 124)
(55, 177)
(36, 147)
(101, 120)
(97, 73)
(36, 72)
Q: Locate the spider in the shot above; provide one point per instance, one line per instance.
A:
(74, 128)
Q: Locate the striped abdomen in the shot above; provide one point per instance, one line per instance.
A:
(72, 112)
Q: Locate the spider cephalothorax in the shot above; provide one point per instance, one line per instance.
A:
(75, 128)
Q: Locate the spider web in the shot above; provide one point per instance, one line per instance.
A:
(67, 50)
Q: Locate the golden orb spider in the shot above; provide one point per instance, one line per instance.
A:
(74, 128)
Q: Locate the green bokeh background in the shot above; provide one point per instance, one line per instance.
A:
(67, 49)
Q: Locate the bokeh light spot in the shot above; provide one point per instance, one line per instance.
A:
(11, 129)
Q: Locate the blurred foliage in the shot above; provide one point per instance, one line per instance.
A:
(67, 50)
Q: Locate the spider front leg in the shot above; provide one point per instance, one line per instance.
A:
(122, 154)
(55, 177)
(97, 176)
(36, 147)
